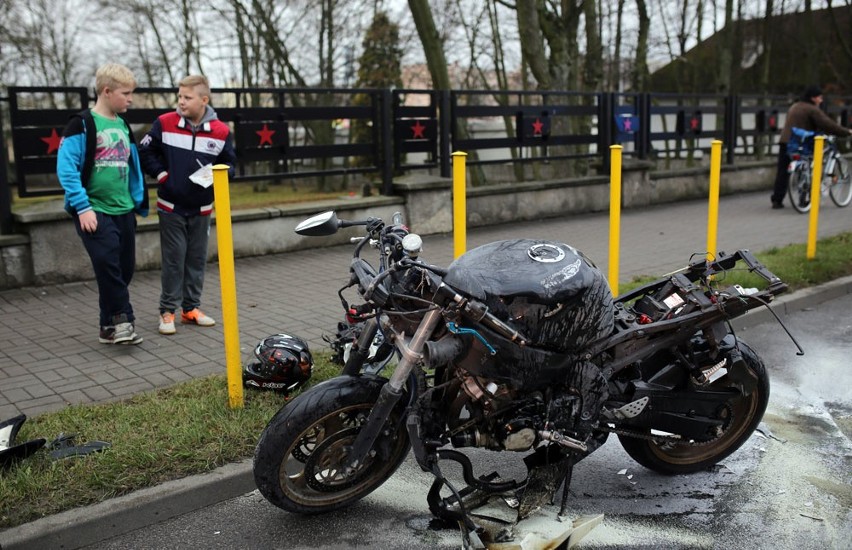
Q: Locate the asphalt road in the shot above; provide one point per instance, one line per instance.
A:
(788, 487)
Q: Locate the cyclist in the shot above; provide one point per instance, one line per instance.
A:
(805, 114)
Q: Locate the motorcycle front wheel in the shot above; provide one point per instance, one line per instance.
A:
(745, 413)
(299, 459)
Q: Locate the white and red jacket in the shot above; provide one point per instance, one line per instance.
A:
(174, 148)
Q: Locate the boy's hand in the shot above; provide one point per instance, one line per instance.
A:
(89, 221)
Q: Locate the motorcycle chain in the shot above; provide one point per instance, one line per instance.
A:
(663, 439)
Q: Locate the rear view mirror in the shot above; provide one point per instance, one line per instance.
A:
(320, 225)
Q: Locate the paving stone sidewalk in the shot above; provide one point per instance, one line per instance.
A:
(49, 350)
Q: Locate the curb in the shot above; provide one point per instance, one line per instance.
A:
(91, 524)
(797, 301)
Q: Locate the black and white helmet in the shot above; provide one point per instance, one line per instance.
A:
(280, 362)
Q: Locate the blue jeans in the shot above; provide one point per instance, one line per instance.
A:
(112, 249)
(183, 247)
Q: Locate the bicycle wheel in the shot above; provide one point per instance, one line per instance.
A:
(840, 182)
(799, 188)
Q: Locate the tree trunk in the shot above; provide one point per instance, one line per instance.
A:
(433, 48)
(640, 71)
(723, 83)
(593, 67)
(616, 62)
(532, 42)
(761, 142)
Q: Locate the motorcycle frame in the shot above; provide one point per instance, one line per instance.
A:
(630, 345)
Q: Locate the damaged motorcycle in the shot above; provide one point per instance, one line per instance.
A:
(517, 346)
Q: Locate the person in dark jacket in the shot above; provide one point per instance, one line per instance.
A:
(180, 150)
(98, 167)
(805, 114)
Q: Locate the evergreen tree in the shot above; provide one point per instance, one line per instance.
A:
(379, 67)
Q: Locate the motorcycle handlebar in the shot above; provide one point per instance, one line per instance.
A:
(478, 313)
(364, 275)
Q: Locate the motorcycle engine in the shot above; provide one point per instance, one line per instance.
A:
(494, 416)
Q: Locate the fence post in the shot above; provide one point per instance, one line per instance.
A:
(445, 119)
(387, 142)
(731, 123)
(643, 101)
(606, 114)
(5, 190)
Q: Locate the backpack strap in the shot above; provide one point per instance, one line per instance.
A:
(91, 134)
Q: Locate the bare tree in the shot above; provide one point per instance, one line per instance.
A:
(842, 37)
(47, 41)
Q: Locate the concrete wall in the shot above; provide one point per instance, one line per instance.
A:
(49, 251)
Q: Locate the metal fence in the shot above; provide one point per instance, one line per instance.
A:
(316, 133)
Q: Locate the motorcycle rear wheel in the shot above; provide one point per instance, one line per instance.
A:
(682, 458)
(299, 457)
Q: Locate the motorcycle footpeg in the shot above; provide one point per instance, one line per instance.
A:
(630, 410)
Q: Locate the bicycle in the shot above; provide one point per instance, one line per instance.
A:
(836, 178)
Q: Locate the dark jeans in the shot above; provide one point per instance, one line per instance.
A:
(112, 249)
(183, 246)
(781, 176)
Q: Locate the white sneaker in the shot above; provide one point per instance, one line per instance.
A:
(167, 323)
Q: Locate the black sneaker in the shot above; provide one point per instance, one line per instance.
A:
(107, 336)
(777, 205)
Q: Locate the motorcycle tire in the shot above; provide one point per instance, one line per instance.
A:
(298, 459)
(677, 458)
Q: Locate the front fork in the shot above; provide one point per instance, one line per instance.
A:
(361, 349)
(391, 392)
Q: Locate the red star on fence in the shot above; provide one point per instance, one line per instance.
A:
(537, 127)
(694, 123)
(265, 135)
(52, 141)
(418, 130)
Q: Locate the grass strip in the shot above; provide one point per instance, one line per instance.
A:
(156, 436)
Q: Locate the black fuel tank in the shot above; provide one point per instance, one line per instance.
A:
(548, 290)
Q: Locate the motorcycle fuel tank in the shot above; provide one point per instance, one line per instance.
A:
(549, 291)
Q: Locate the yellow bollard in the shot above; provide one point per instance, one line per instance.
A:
(614, 215)
(459, 204)
(816, 190)
(230, 326)
(713, 208)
